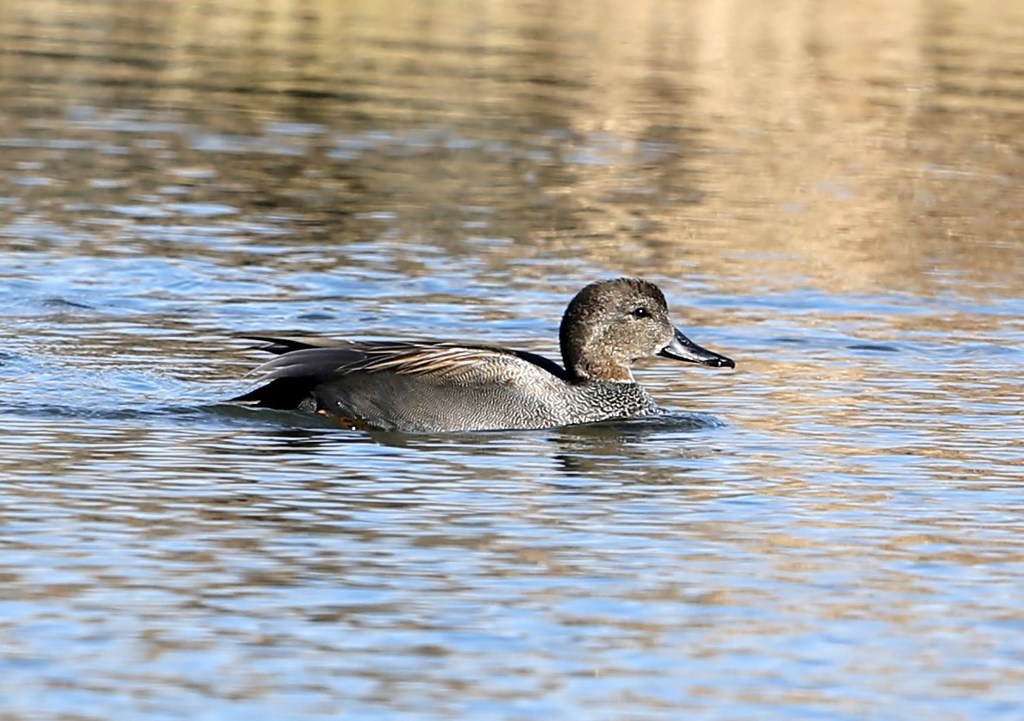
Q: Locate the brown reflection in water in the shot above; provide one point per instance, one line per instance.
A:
(855, 147)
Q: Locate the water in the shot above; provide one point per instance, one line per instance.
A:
(829, 195)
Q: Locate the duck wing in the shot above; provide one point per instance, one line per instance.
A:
(404, 385)
(442, 359)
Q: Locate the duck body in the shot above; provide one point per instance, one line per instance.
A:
(438, 386)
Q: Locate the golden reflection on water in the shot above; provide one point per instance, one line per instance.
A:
(852, 147)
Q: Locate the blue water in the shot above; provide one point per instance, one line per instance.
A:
(831, 531)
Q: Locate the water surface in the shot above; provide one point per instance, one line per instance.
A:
(829, 195)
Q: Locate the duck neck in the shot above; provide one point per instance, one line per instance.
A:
(595, 367)
(585, 358)
(606, 373)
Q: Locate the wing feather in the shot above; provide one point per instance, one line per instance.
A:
(471, 364)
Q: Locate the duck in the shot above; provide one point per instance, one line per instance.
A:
(430, 386)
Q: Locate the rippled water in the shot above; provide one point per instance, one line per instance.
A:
(830, 194)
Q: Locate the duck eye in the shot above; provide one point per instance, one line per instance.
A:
(640, 312)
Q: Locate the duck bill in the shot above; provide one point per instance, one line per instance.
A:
(684, 349)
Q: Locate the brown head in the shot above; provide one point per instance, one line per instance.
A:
(611, 324)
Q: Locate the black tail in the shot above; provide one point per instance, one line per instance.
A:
(284, 394)
(302, 365)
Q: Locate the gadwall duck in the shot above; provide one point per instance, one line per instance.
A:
(427, 386)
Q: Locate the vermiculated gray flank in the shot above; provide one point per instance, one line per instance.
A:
(428, 386)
